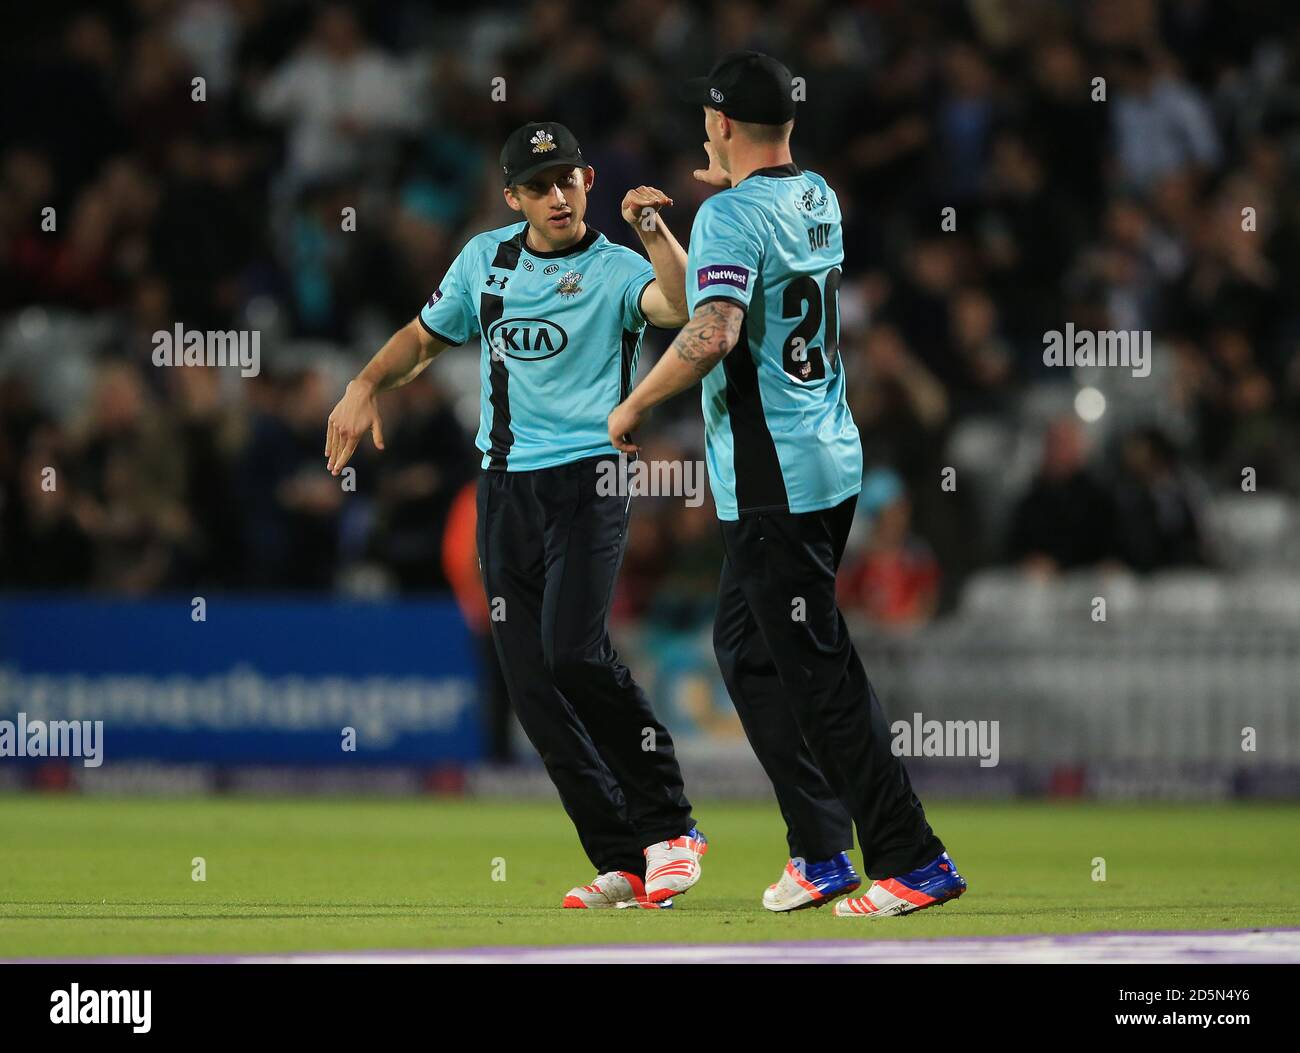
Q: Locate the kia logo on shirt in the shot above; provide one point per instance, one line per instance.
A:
(528, 339)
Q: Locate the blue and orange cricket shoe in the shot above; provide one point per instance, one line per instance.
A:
(805, 884)
(928, 887)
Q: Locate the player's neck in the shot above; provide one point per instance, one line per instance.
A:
(746, 161)
(536, 244)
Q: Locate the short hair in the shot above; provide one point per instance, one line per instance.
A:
(765, 133)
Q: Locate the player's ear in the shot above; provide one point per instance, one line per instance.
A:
(588, 178)
(511, 199)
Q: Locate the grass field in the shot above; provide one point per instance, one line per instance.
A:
(86, 877)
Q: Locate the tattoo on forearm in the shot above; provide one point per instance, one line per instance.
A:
(708, 336)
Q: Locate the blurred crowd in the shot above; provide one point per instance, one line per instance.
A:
(1119, 164)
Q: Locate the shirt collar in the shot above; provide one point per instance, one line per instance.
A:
(582, 245)
(776, 171)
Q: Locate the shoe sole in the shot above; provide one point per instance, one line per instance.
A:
(911, 910)
(574, 903)
(937, 903)
(659, 895)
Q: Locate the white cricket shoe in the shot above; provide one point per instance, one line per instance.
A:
(673, 866)
(617, 888)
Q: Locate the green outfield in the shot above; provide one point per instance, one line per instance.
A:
(91, 877)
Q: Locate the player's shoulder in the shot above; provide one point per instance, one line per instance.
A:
(746, 205)
(487, 242)
(726, 202)
(619, 257)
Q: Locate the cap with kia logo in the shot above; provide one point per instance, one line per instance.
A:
(746, 86)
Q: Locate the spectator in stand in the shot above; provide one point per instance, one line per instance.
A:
(128, 478)
(1157, 522)
(293, 529)
(983, 358)
(336, 94)
(1161, 124)
(1066, 520)
(45, 541)
(428, 460)
(225, 215)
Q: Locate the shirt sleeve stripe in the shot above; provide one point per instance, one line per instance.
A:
(437, 335)
(640, 309)
(725, 299)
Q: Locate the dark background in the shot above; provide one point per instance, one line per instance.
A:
(1121, 214)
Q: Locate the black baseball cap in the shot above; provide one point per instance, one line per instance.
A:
(746, 86)
(536, 146)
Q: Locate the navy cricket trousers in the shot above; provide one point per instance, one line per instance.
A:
(803, 696)
(550, 547)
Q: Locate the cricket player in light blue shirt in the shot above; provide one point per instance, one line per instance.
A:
(557, 313)
(785, 466)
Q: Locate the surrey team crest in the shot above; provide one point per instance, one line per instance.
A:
(569, 284)
(542, 141)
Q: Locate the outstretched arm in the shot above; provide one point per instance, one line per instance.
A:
(704, 342)
(403, 358)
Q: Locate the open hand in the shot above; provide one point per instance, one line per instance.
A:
(714, 175)
(355, 414)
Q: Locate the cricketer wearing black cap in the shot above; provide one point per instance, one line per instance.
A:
(556, 313)
(536, 147)
(785, 466)
(746, 86)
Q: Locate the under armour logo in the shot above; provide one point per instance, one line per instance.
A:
(494, 280)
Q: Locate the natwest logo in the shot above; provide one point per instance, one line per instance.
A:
(728, 274)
